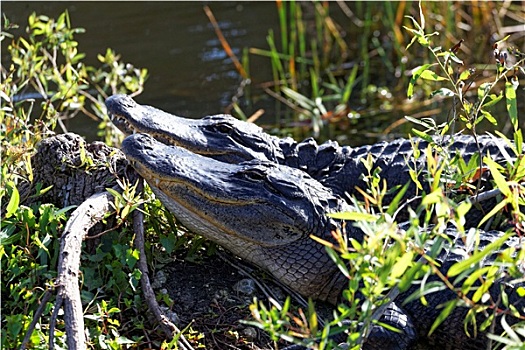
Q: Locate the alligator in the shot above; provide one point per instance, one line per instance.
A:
(265, 212)
(340, 168)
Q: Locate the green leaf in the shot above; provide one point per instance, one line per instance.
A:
(502, 40)
(500, 181)
(64, 210)
(492, 100)
(355, 216)
(414, 38)
(337, 259)
(123, 340)
(483, 89)
(518, 141)
(312, 319)
(168, 243)
(450, 55)
(482, 290)
(512, 106)
(475, 276)
(427, 288)
(427, 74)
(115, 193)
(462, 265)
(401, 265)
(442, 92)
(433, 197)
(422, 134)
(423, 41)
(449, 307)
(397, 199)
(422, 18)
(14, 201)
(493, 212)
(487, 116)
(415, 76)
(465, 75)
(408, 277)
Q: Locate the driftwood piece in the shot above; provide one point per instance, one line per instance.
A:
(79, 173)
(83, 218)
(75, 170)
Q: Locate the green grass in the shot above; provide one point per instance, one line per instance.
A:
(316, 58)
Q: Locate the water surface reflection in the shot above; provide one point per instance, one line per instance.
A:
(189, 72)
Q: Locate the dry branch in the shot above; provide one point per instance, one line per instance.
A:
(167, 326)
(91, 211)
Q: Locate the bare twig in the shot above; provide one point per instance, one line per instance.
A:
(167, 326)
(82, 219)
(38, 313)
(224, 43)
(53, 322)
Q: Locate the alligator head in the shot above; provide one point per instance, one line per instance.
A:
(219, 136)
(261, 211)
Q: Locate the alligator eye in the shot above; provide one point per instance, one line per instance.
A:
(223, 128)
(254, 174)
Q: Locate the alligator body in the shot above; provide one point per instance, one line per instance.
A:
(265, 213)
(211, 170)
(229, 140)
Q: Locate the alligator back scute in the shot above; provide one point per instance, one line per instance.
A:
(328, 153)
(390, 157)
(395, 158)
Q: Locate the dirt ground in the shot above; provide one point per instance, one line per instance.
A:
(213, 297)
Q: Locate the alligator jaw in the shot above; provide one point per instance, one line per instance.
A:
(217, 136)
(130, 117)
(219, 192)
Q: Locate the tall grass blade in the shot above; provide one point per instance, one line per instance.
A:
(281, 10)
(227, 48)
(349, 85)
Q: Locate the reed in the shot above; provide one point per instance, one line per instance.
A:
(350, 60)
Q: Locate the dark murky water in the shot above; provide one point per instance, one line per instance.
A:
(189, 72)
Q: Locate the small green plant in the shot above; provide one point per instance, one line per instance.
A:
(45, 82)
(472, 109)
(29, 251)
(451, 70)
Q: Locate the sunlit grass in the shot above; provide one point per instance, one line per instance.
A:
(361, 47)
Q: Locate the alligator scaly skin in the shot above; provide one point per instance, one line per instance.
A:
(341, 168)
(265, 213)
